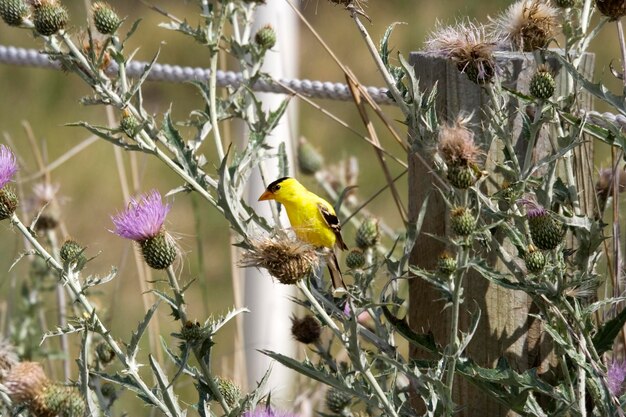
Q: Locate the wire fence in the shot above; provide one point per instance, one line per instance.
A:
(177, 74)
(11, 55)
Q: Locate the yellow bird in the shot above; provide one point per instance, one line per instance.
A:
(312, 218)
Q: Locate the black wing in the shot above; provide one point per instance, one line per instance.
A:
(333, 222)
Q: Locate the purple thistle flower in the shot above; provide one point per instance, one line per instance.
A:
(8, 165)
(268, 412)
(616, 375)
(143, 219)
(533, 209)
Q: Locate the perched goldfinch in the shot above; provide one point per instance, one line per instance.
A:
(312, 218)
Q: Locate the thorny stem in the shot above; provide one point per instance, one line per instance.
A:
(532, 140)
(343, 338)
(391, 84)
(453, 340)
(178, 294)
(494, 110)
(62, 306)
(206, 371)
(582, 397)
(569, 167)
(565, 371)
(70, 280)
(214, 50)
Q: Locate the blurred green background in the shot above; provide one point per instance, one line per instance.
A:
(90, 184)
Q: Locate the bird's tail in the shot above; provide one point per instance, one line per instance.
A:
(339, 287)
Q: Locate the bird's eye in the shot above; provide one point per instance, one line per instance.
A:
(277, 187)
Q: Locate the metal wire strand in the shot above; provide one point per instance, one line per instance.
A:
(177, 74)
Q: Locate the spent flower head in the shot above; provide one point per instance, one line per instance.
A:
(467, 44)
(143, 218)
(286, 258)
(456, 144)
(8, 165)
(616, 374)
(527, 25)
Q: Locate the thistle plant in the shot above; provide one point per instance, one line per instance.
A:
(514, 219)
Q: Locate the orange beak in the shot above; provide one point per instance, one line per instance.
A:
(267, 195)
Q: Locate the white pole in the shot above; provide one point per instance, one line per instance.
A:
(268, 326)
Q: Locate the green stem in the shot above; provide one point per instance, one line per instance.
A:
(453, 341)
(569, 167)
(219, 145)
(495, 120)
(182, 313)
(535, 127)
(391, 84)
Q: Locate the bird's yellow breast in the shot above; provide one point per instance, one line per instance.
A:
(309, 225)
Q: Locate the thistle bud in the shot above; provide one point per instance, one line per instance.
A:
(336, 400)
(193, 332)
(50, 17)
(534, 259)
(13, 12)
(461, 177)
(158, 251)
(129, 124)
(73, 253)
(104, 18)
(229, 390)
(613, 9)
(306, 330)
(58, 400)
(105, 353)
(309, 159)
(446, 264)
(355, 259)
(542, 84)
(265, 37)
(368, 234)
(8, 202)
(462, 221)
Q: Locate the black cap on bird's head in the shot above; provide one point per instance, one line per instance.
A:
(268, 194)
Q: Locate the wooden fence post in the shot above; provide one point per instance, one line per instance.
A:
(506, 327)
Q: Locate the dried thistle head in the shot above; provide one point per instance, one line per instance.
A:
(285, 257)
(613, 9)
(25, 381)
(467, 44)
(456, 145)
(527, 24)
(306, 329)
